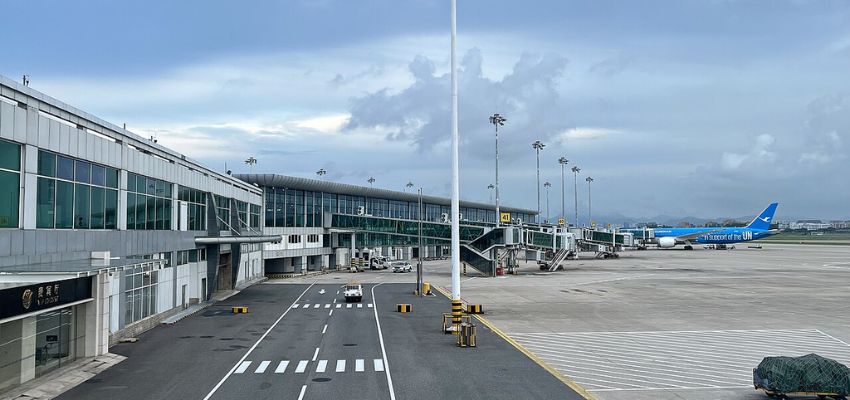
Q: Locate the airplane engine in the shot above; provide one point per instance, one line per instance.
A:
(666, 242)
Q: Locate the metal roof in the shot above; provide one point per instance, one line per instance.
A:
(292, 182)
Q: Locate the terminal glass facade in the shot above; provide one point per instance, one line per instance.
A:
(196, 207)
(148, 203)
(10, 184)
(75, 194)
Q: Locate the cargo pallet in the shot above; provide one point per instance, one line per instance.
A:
(774, 394)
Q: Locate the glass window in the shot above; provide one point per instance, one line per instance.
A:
(10, 156)
(9, 198)
(131, 181)
(160, 213)
(112, 177)
(166, 214)
(98, 175)
(81, 206)
(111, 209)
(64, 205)
(160, 188)
(131, 211)
(64, 168)
(97, 207)
(141, 206)
(46, 163)
(151, 204)
(82, 172)
(45, 204)
(151, 186)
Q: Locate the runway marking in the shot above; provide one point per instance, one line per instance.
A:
(379, 365)
(340, 365)
(242, 367)
(331, 313)
(348, 306)
(302, 366)
(359, 365)
(303, 389)
(337, 292)
(281, 368)
(335, 300)
(381, 340)
(327, 306)
(306, 306)
(316, 354)
(359, 305)
(295, 306)
(317, 306)
(370, 305)
(262, 367)
(323, 364)
(325, 329)
(339, 306)
(681, 360)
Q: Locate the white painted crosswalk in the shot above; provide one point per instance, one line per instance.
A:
(303, 366)
(314, 306)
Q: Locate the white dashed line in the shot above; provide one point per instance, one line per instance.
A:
(327, 306)
(339, 306)
(323, 365)
(303, 389)
(360, 306)
(295, 306)
(379, 365)
(325, 329)
(281, 367)
(348, 306)
(302, 366)
(316, 354)
(262, 367)
(242, 367)
(340, 365)
(370, 305)
(317, 306)
(359, 365)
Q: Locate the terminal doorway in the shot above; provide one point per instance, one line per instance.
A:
(225, 272)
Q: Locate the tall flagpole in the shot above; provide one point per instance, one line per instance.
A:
(456, 305)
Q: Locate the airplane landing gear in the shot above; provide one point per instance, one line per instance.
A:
(689, 247)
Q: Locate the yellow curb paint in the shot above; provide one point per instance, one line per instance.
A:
(561, 377)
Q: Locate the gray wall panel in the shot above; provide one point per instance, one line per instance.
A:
(20, 131)
(7, 120)
(5, 243)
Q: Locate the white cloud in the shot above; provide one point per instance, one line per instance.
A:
(760, 154)
(579, 133)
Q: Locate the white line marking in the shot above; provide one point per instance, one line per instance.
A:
(325, 329)
(370, 305)
(379, 365)
(337, 292)
(317, 306)
(327, 306)
(306, 306)
(348, 306)
(339, 306)
(383, 349)
(316, 354)
(281, 367)
(340, 365)
(221, 382)
(262, 367)
(323, 365)
(295, 306)
(360, 306)
(687, 388)
(359, 365)
(331, 313)
(335, 300)
(303, 389)
(302, 366)
(243, 367)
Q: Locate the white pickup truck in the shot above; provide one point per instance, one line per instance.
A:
(353, 292)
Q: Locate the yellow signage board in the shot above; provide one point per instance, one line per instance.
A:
(561, 221)
(506, 217)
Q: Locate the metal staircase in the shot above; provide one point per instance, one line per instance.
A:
(556, 260)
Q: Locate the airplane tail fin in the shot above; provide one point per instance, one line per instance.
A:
(763, 220)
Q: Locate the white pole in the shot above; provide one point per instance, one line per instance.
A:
(455, 174)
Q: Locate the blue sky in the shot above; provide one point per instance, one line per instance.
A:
(705, 108)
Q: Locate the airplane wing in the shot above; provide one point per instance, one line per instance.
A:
(693, 236)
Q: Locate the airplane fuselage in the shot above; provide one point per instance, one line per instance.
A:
(715, 235)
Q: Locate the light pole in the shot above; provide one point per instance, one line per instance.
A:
(563, 161)
(420, 251)
(497, 120)
(321, 172)
(490, 188)
(575, 170)
(537, 146)
(371, 180)
(547, 185)
(457, 308)
(589, 214)
(408, 186)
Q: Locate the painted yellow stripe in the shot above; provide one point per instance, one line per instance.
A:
(561, 377)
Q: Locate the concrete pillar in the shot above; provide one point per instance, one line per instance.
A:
(326, 261)
(122, 200)
(30, 187)
(28, 330)
(305, 266)
(11, 353)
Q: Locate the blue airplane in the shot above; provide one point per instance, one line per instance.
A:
(720, 237)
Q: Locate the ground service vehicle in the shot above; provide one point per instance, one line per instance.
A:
(353, 292)
(402, 266)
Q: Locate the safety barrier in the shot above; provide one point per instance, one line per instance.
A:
(474, 309)
(404, 308)
(466, 338)
(239, 310)
(449, 327)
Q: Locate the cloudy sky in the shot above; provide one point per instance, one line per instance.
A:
(704, 108)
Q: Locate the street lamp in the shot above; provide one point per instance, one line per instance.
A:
(408, 186)
(547, 185)
(563, 161)
(490, 188)
(537, 146)
(371, 180)
(589, 214)
(575, 170)
(497, 121)
(251, 161)
(321, 172)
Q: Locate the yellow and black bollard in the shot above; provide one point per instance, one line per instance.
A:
(239, 310)
(404, 308)
(457, 312)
